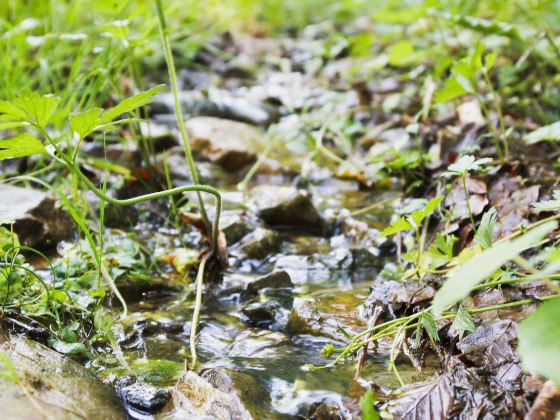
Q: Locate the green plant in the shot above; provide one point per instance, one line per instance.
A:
(465, 165)
(464, 79)
(413, 221)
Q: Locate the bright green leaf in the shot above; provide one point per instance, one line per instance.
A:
(86, 122)
(539, 341)
(367, 406)
(38, 109)
(67, 348)
(547, 133)
(429, 324)
(130, 104)
(452, 89)
(466, 164)
(9, 373)
(20, 146)
(402, 54)
(463, 322)
(462, 279)
(399, 225)
(483, 235)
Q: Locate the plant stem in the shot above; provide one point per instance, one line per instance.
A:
(490, 126)
(500, 113)
(418, 247)
(467, 198)
(196, 313)
(177, 106)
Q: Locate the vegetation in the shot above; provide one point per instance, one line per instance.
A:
(435, 123)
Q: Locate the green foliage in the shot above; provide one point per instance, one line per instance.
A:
(8, 374)
(440, 251)
(463, 278)
(483, 235)
(367, 406)
(413, 220)
(547, 133)
(20, 146)
(466, 164)
(463, 322)
(550, 205)
(539, 341)
(430, 326)
(30, 107)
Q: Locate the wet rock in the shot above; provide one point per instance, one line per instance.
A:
(235, 226)
(303, 268)
(134, 290)
(261, 313)
(120, 216)
(393, 295)
(195, 397)
(38, 221)
(141, 396)
(230, 144)
(246, 388)
(306, 318)
(260, 244)
(286, 207)
(60, 387)
(274, 280)
(364, 258)
(259, 343)
(328, 411)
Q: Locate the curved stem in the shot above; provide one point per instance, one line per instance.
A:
(177, 106)
(467, 198)
(196, 313)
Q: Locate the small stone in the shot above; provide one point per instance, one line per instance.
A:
(235, 227)
(261, 314)
(286, 207)
(38, 221)
(232, 145)
(142, 396)
(275, 280)
(260, 244)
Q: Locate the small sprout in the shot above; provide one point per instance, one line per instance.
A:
(327, 350)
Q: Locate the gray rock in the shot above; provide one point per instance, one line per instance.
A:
(235, 226)
(286, 207)
(261, 314)
(260, 244)
(143, 397)
(230, 144)
(60, 387)
(38, 222)
(246, 388)
(195, 397)
(275, 280)
(306, 318)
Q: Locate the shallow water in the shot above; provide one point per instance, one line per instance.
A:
(159, 326)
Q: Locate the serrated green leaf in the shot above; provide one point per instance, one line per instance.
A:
(10, 112)
(38, 109)
(483, 235)
(20, 146)
(463, 322)
(130, 104)
(539, 341)
(407, 222)
(429, 324)
(86, 122)
(463, 278)
(466, 164)
(367, 406)
(452, 88)
(399, 225)
(547, 133)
